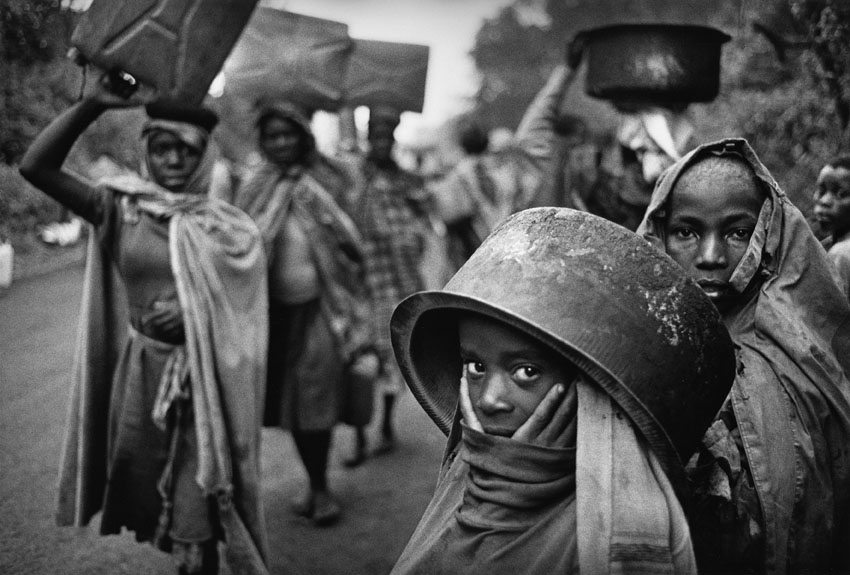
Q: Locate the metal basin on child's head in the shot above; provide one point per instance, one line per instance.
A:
(625, 314)
(654, 64)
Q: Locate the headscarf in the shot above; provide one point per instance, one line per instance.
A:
(793, 336)
(293, 112)
(193, 136)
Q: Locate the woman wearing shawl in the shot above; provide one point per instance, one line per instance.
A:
(320, 333)
(586, 368)
(165, 415)
(772, 479)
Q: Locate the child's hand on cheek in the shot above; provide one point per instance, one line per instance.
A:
(466, 410)
(553, 422)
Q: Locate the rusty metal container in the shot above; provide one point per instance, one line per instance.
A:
(387, 73)
(175, 46)
(654, 63)
(599, 295)
(284, 55)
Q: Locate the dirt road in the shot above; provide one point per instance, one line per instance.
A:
(382, 499)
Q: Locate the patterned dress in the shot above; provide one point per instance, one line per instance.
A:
(394, 225)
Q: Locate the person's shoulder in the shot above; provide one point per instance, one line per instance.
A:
(840, 249)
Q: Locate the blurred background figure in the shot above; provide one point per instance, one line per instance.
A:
(645, 142)
(486, 187)
(832, 212)
(390, 211)
(317, 309)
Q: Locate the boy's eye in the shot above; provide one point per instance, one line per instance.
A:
(526, 373)
(474, 368)
(683, 233)
(741, 234)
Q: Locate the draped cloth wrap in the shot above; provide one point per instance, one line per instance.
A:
(503, 506)
(269, 196)
(219, 266)
(791, 398)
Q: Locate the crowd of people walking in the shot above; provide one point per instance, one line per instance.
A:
(636, 374)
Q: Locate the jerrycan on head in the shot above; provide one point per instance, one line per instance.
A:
(174, 46)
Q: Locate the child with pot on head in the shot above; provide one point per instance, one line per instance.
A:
(771, 479)
(573, 371)
(832, 211)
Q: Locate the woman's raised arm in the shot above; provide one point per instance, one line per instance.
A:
(42, 163)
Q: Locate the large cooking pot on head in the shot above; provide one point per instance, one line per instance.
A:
(623, 313)
(656, 64)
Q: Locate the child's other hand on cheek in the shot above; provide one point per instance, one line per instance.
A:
(552, 424)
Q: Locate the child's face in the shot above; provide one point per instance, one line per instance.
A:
(713, 211)
(507, 371)
(832, 200)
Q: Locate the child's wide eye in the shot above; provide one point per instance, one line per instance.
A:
(474, 368)
(683, 233)
(741, 234)
(526, 373)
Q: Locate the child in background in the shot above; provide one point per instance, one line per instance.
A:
(573, 371)
(832, 211)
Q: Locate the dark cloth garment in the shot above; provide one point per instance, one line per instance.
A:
(501, 506)
(726, 519)
(791, 397)
(305, 372)
(139, 451)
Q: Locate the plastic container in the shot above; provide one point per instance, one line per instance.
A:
(289, 56)
(7, 258)
(654, 63)
(175, 46)
(387, 73)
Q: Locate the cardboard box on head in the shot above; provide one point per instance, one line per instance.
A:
(289, 56)
(174, 46)
(389, 74)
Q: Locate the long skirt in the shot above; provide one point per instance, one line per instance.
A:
(305, 371)
(138, 452)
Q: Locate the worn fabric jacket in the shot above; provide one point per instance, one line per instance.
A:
(791, 398)
(502, 506)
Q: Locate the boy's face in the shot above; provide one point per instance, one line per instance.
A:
(713, 211)
(832, 200)
(507, 371)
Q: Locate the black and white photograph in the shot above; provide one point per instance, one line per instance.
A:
(425, 287)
